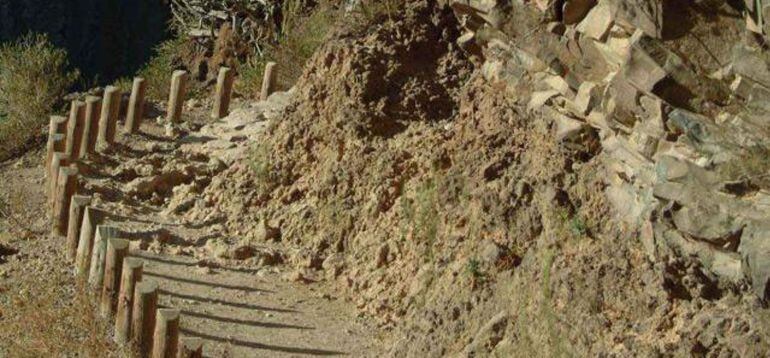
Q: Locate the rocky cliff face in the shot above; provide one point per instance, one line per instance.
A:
(105, 39)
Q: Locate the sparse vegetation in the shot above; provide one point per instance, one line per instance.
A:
(34, 75)
(373, 11)
(49, 321)
(474, 270)
(303, 31)
(426, 220)
(157, 72)
(264, 173)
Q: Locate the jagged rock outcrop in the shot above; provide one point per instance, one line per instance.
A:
(685, 140)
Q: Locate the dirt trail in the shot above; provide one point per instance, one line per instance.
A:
(240, 308)
(250, 313)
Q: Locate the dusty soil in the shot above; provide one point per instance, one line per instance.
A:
(406, 183)
(446, 210)
(238, 309)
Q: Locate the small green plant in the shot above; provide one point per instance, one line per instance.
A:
(34, 76)
(426, 212)
(265, 174)
(473, 267)
(125, 84)
(576, 225)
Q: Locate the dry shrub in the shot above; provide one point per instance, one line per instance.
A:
(304, 29)
(157, 72)
(34, 76)
(50, 320)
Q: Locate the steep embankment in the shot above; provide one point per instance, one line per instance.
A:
(461, 198)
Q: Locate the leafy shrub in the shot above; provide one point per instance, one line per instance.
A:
(34, 76)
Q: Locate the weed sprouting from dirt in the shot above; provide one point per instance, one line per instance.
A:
(426, 213)
(34, 75)
(473, 267)
(539, 330)
(575, 225)
(264, 173)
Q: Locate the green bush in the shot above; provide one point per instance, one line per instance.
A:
(34, 76)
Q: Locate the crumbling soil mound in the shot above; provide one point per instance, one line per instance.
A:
(455, 191)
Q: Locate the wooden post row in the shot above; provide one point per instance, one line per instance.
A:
(91, 127)
(176, 97)
(143, 316)
(66, 187)
(77, 209)
(57, 139)
(223, 93)
(75, 126)
(131, 274)
(166, 337)
(99, 253)
(108, 120)
(58, 160)
(92, 217)
(117, 249)
(269, 81)
(135, 106)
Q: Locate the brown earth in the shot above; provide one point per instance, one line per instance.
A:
(403, 178)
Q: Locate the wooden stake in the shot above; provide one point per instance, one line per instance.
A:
(91, 126)
(109, 118)
(166, 337)
(56, 143)
(66, 187)
(190, 348)
(98, 254)
(177, 95)
(136, 106)
(143, 316)
(223, 92)
(117, 249)
(56, 129)
(77, 208)
(58, 161)
(132, 273)
(91, 218)
(268, 82)
(75, 126)
(58, 124)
